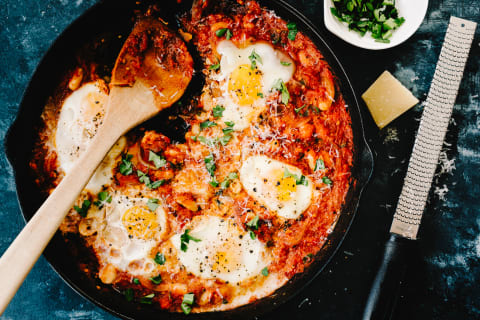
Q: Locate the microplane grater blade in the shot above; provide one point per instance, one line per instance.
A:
(433, 127)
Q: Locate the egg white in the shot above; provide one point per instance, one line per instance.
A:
(224, 251)
(103, 175)
(260, 175)
(80, 117)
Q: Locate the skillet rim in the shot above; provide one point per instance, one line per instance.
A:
(364, 160)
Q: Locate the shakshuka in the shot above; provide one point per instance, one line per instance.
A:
(244, 202)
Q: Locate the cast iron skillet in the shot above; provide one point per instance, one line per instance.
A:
(108, 19)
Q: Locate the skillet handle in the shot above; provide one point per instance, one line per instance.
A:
(27, 247)
(385, 288)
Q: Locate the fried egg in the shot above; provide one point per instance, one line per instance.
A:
(131, 230)
(223, 251)
(80, 117)
(280, 187)
(247, 77)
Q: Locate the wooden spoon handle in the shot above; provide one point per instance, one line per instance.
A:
(22, 254)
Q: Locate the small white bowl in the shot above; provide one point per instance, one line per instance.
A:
(412, 10)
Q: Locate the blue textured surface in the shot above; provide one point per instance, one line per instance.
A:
(442, 281)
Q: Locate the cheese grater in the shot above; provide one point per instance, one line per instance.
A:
(421, 168)
(433, 126)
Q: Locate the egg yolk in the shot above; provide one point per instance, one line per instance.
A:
(140, 223)
(245, 84)
(224, 262)
(285, 186)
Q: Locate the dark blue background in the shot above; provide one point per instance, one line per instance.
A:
(443, 276)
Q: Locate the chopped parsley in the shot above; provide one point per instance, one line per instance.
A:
(297, 110)
(152, 204)
(125, 167)
(225, 183)
(227, 136)
(229, 124)
(212, 142)
(224, 32)
(103, 198)
(215, 66)
(207, 141)
(185, 308)
(157, 279)
(284, 63)
(228, 129)
(265, 272)
(207, 124)
(252, 235)
(282, 88)
(144, 178)
(303, 181)
(319, 165)
(160, 258)
(221, 32)
(292, 30)
(225, 139)
(259, 94)
(218, 111)
(380, 17)
(185, 239)
(210, 164)
(253, 224)
(188, 298)
(298, 180)
(157, 160)
(156, 184)
(307, 258)
(136, 281)
(254, 57)
(84, 209)
(213, 182)
(327, 180)
(228, 34)
(147, 299)
(307, 110)
(187, 302)
(128, 294)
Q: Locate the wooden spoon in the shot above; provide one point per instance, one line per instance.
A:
(151, 73)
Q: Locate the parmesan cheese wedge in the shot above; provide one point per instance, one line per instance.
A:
(387, 99)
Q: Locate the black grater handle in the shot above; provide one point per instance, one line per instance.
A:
(385, 288)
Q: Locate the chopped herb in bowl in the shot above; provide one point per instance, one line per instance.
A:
(380, 17)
